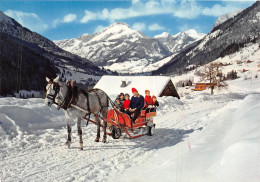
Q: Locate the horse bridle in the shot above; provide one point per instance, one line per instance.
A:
(56, 88)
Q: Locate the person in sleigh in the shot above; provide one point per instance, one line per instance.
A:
(154, 104)
(126, 103)
(150, 102)
(136, 104)
(118, 105)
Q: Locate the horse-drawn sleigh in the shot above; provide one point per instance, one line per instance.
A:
(119, 123)
(96, 103)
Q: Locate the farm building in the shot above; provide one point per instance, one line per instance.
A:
(158, 85)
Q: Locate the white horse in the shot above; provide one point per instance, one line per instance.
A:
(90, 102)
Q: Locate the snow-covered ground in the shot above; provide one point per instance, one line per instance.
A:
(198, 138)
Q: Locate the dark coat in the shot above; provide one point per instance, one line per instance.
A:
(118, 106)
(137, 102)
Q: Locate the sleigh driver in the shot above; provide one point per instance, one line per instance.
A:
(135, 106)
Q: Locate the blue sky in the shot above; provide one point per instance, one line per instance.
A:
(58, 20)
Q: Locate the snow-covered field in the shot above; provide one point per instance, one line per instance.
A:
(198, 138)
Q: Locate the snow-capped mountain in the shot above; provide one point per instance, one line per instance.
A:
(119, 48)
(116, 45)
(27, 57)
(225, 17)
(177, 42)
(225, 39)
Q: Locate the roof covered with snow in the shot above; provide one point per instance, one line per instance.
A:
(112, 84)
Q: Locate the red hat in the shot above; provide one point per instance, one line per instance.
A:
(146, 91)
(153, 96)
(134, 90)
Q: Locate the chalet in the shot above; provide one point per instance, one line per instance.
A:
(158, 85)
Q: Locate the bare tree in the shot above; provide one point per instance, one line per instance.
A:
(213, 74)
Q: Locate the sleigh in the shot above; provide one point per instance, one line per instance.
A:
(119, 123)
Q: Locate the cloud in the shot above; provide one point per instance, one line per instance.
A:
(69, 18)
(186, 27)
(29, 20)
(226, 7)
(66, 19)
(183, 9)
(155, 27)
(88, 16)
(139, 26)
(188, 9)
(99, 28)
(218, 10)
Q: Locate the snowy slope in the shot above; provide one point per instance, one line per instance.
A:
(229, 37)
(227, 149)
(117, 44)
(198, 138)
(121, 49)
(175, 43)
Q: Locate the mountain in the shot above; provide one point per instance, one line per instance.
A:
(116, 45)
(225, 17)
(177, 42)
(229, 37)
(27, 57)
(119, 48)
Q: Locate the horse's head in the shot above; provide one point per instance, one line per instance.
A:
(52, 90)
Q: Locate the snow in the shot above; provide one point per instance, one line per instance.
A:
(191, 33)
(258, 15)
(226, 150)
(197, 138)
(137, 66)
(194, 34)
(79, 75)
(162, 35)
(116, 31)
(27, 94)
(132, 66)
(158, 64)
(200, 137)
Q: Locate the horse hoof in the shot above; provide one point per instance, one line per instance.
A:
(97, 140)
(104, 140)
(68, 143)
(81, 146)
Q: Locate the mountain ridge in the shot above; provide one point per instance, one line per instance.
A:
(224, 39)
(119, 48)
(21, 48)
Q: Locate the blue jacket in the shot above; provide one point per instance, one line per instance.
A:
(137, 102)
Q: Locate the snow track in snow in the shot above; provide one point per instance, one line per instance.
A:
(39, 154)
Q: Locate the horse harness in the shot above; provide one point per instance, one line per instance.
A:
(69, 98)
(86, 93)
